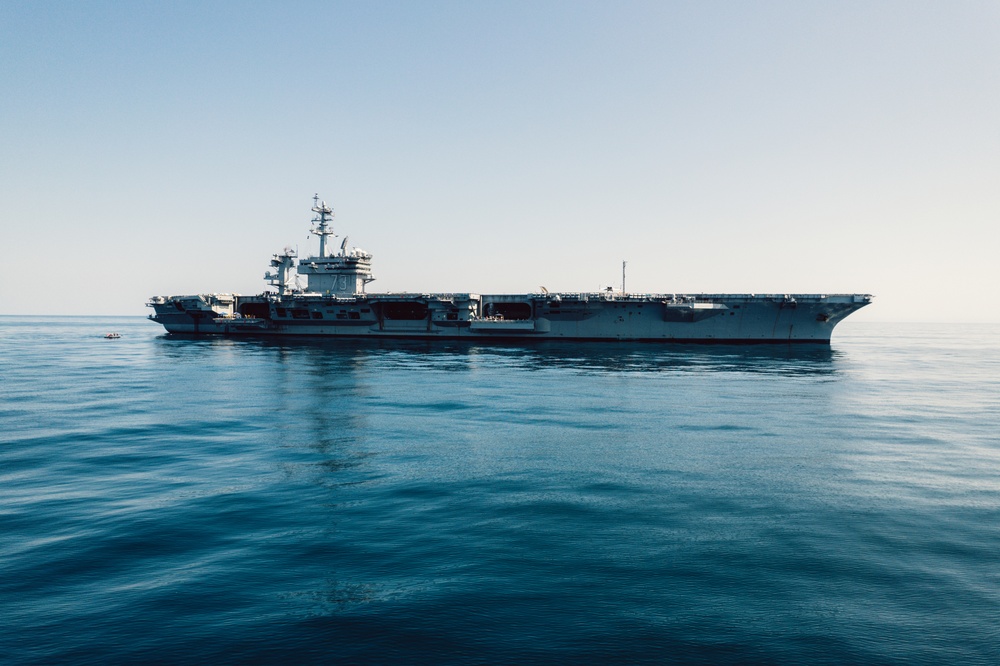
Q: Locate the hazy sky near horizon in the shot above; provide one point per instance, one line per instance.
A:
(787, 147)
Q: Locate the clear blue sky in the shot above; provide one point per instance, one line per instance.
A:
(172, 147)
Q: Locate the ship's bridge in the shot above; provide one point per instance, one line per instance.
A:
(342, 274)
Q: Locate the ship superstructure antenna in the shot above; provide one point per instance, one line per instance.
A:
(623, 276)
(284, 263)
(323, 223)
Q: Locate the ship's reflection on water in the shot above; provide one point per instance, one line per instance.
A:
(772, 359)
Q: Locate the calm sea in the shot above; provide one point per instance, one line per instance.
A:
(177, 500)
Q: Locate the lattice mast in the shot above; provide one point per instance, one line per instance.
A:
(322, 223)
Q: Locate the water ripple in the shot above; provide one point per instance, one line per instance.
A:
(177, 500)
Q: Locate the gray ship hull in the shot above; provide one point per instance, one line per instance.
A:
(718, 318)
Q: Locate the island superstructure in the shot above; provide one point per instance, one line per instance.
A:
(334, 303)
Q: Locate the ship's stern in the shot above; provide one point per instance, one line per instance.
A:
(194, 314)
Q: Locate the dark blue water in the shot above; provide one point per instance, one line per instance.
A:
(179, 500)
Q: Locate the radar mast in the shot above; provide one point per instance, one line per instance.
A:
(323, 223)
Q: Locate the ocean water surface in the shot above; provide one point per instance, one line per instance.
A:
(170, 500)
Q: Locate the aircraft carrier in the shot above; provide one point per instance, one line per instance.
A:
(334, 303)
